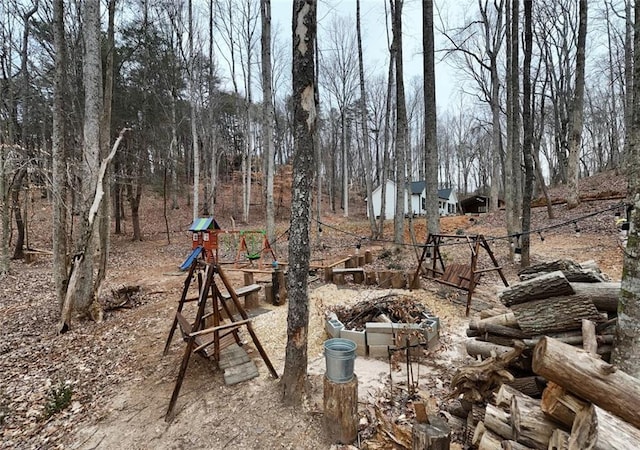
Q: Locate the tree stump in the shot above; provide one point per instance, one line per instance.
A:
(434, 435)
(341, 410)
(368, 257)
(398, 281)
(328, 274)
(370, 278)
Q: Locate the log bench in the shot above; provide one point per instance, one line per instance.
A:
(249, 293)
(339, 274)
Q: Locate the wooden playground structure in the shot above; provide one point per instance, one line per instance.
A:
(459, 276)
(238, 247)
(214, 326)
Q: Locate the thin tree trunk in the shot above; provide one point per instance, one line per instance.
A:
(527, 146)
(59, 183)
(267, 118)
(195, 144)
(577, 113)
(104, 219)
(305, 118)
(401, 127)
(430, 125)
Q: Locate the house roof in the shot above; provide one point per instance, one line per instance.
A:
(418, 187)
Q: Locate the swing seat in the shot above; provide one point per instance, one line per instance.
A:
(458, 276)
(253, 256)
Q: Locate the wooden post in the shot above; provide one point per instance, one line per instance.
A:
(341, 410)
(282, 286)
(398, 281)
(361, 260)
(370, 278)
(328, 274)
(358, 277)
(268, 294)
(350, 263)
(251, 300)
(434, 435)
(368, 257)
(275, 288)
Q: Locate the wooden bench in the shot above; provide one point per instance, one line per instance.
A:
(459, 276)
(249, 293)
(339, 274)
(243, 291)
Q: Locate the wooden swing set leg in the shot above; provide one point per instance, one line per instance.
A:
(183, 370)
(185, 289)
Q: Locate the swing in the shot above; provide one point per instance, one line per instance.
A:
(250, 246)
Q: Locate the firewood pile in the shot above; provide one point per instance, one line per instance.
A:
(544, 381)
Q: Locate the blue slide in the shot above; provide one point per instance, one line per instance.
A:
(194, 254)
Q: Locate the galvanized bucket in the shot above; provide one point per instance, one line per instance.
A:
(340, 355)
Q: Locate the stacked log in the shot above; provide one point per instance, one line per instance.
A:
(553, 341)
(549, 304)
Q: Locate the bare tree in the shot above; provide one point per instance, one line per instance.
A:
(304, 25)
(527, 146)
(401, 125)
(368, 169)
(340, 81)
(575, 135)
(267, 118)
(430, 125)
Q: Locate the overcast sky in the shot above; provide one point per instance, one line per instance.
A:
(375, 46)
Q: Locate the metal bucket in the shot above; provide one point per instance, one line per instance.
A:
(340, 355)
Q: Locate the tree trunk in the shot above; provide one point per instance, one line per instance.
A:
(544, 286)
(104, 220)
(589, 378)
(368, 169)
(59, 157)
(401, 128)
(430, 125)
(527, 144)
(18, 252)
(267, 119)
(305, 118)
(435, 435)
(626, 352)
(575, 133)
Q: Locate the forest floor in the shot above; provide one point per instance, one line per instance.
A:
(120, 384)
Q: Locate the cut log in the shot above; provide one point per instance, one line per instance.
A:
(589, 342)
(561, 405)
(484, 439)
(485, 349)
(531, 386)
(341, 410)
(398, 280)
(505, 394)
(595, 428)
(498, 421)
(514, 445)
(370, 278)
(492, 312)
(559, 440)
(434, 435)
(603, 295)
(507, 319)
(529, 424)
(589, 378)
(501, 330)
(552, 314)
(589, 273)
(548, 285)
(606, 339)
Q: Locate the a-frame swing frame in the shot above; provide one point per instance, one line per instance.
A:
(457, 275)
(195, 333)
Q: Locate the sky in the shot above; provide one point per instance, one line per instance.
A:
(375, 46)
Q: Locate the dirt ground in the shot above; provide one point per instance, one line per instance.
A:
(121, 384)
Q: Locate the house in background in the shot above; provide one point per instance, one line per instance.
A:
(477, 204)
(447, 200)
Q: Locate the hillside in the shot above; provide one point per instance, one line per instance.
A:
(121, 385)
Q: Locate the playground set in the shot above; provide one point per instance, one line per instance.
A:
(238, 247)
